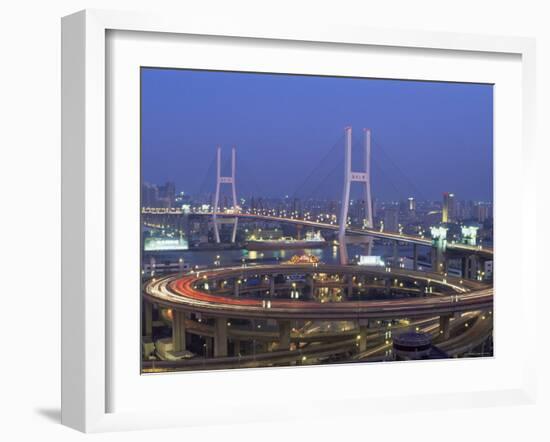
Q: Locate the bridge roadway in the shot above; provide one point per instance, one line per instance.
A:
(323, 348)
(313, 335)
(453, 346)
(465, 341)
(182, 293)
(412, 239)
(309, 336)
(300, 285)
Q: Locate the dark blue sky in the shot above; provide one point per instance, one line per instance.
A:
(428, 137)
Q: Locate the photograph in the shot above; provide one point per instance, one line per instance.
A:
(298, 220)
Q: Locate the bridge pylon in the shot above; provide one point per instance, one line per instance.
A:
(224, 180)
(349, 177)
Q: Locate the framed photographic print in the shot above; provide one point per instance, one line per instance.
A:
(251, 211)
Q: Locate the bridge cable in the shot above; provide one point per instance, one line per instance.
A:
(409, 182)
(385, 177)
(249, 175)
(209, 178)
(378, 148)
(315, 169)
(337, 166)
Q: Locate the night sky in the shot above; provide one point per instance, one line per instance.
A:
(427, 137)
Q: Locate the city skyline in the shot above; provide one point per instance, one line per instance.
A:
(181, 193)
(186, 114)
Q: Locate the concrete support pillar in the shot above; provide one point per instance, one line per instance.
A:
(363, 329)
(349, 285)
(311, 283)
(444, 326)
(148, 319)
(272, 286)
(470, 267)
(236, 287)
(411, 328)
(178, 330)
(438, 260)
(387, 285)
(220, 337)
(236, 347)
(343, 252)
(367, 246)
(284, 335)
(415, 256)
(395, 254)
(208, 345)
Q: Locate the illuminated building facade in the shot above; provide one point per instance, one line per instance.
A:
(448, 211)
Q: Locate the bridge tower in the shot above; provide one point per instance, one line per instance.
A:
(349, 177)
(439, 245)
(224, 180)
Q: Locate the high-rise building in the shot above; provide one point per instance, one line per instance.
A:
(167, 194)
(357, 211)
(391, 219)
(452, 208)
(448, 212)
(468, 209)
(483, 212)
(412, 204)
(459, 210)
(158, 196)
(375, 208)
(149, 195)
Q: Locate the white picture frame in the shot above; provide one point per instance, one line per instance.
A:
(85, 307)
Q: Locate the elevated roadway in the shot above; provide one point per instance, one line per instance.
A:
(484, 252)
(461, 343)
(183, 293)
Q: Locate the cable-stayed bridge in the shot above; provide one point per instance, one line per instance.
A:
(361, 175)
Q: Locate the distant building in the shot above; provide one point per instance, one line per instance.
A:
(158, 196)
(484, 211)
(167, 195)
(156, 244)
(469, 235)
(375, 208)
(468, 210)
(296, 206)
(357, 211)
(391, 219)
(448, 211)
(197, 229)
(412, 204)
(488, 270)
(149, 195)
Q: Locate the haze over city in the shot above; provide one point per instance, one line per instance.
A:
(432, 134)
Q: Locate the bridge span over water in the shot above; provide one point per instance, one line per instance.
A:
(364, 231)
